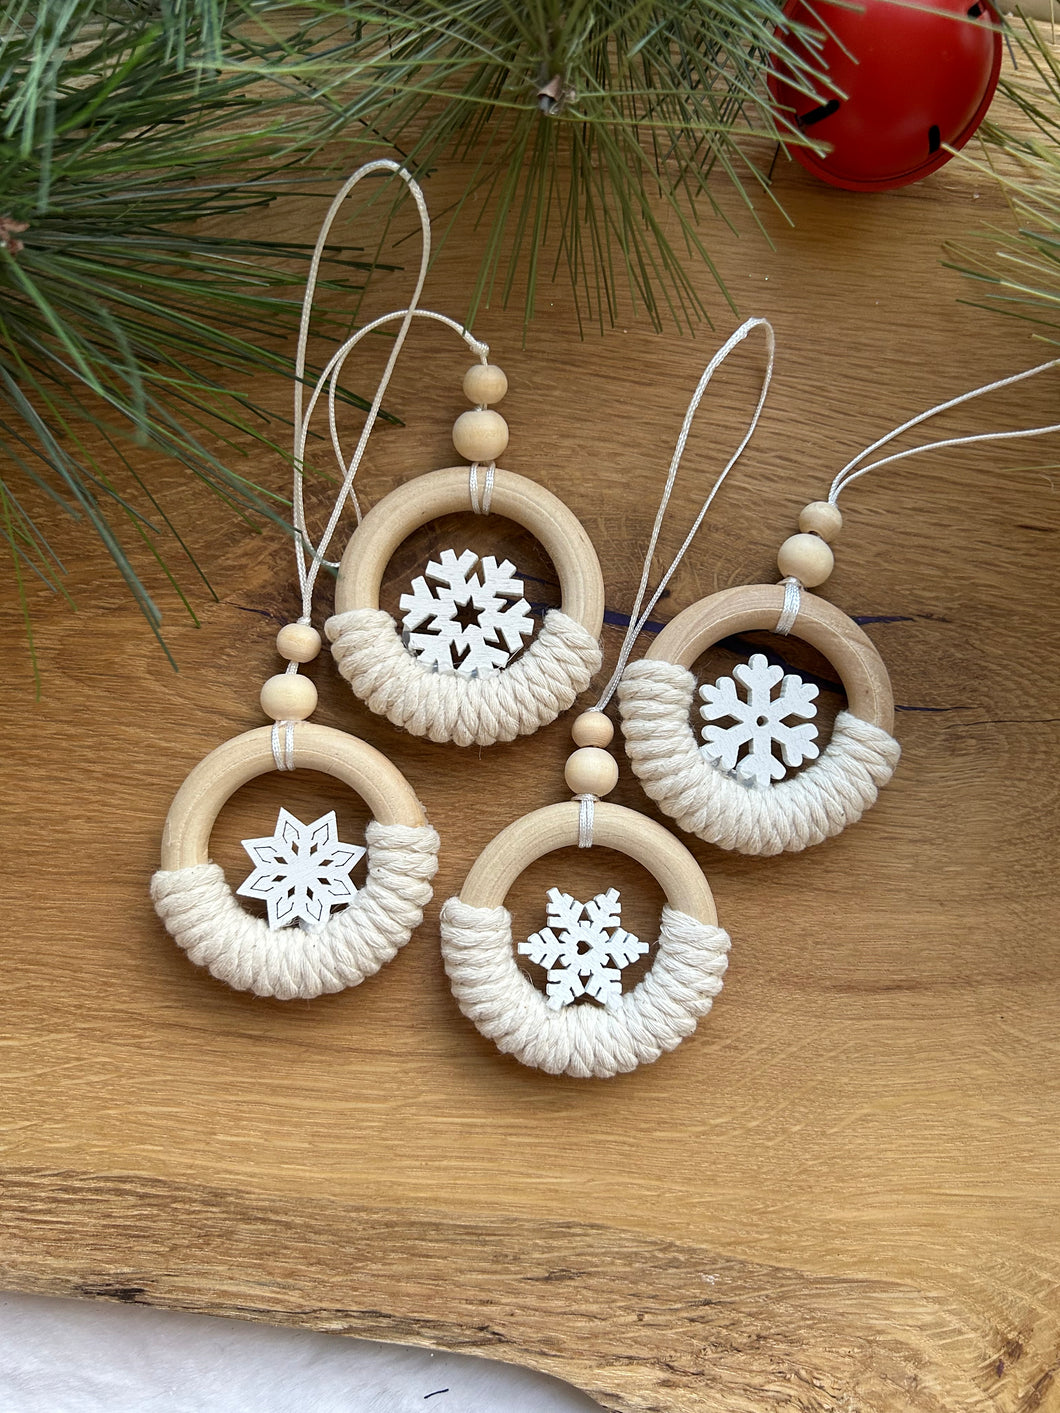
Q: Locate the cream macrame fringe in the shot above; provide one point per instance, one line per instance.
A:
(556, 667)
(655, 701)
(586, 1041)
(202, 914)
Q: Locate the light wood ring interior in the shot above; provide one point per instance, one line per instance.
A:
(424, 498)
(196, 805)
(750, 607)
(614, 827)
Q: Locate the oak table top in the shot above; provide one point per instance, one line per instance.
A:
(841, 1193)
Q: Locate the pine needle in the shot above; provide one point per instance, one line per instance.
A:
(123, 127)
(1020, 266)
(587, 118)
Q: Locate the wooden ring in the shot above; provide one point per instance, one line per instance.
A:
(750, 607)
(424, 498)
(614, 827)
(196, 805)
(584, 1041)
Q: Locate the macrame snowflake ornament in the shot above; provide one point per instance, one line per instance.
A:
(747, 748)
(584, 947)
(462, 621)
(302, 871)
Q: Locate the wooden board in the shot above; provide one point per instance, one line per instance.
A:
(841, 1193)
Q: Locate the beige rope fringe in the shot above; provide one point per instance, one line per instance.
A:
(204, 917)
(585, 1041)
(556, 667)
(655, 701)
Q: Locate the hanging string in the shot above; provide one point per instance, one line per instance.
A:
(849, 474)
(639, 616)
(310, 557)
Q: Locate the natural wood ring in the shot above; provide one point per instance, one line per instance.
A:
(748, 607)
(614, 827)
(424, 498)
(196, 805)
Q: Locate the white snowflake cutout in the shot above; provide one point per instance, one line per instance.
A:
(302, 871)
(461, 622)
(760, 721)
(584, 948)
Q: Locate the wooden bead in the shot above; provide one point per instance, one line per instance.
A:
(485, 382)
(480, 435)
(806, 558)
(288, 697)
(298, 642)
(592, 728)
(591, 771)
(822, 518)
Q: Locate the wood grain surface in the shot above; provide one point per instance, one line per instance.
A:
(841, 1194)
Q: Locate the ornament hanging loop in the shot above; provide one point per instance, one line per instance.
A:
(639, 615)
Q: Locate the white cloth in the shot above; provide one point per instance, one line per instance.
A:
(86, 1356)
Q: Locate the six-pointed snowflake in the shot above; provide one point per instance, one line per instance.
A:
(584, 947)
(461, 622)
(302, 871)
(760, 721)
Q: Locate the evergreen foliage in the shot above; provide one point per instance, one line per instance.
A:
(125, 124)
(1020, 266)
(594, 120)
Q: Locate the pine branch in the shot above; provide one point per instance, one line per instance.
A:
(121, 323)
(1018, 268)
(601, 121)
(593, 131)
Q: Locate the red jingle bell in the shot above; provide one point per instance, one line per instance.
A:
(911, 78)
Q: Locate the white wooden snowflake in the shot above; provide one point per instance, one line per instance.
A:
(584, 947)
(461, 622)
(761, 721)
(302, 871)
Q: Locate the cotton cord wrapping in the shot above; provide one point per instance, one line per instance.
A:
(557, 666)
(790, 611)
(481, 506)
(586, 817)
(655, 701)
(282, 741)
(204, 917)
(584, 1041)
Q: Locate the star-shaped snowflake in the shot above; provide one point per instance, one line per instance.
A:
(584, 947)
(302, 871)
(461, 622)
(760, 721)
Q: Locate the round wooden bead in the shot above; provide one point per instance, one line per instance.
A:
(592, 728)
(298, 642)
(806, 558)
(485, 382)
(288, 697)
(822, 518)
(591, 771)
(480, 435)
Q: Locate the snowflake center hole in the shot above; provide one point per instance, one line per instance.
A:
(466, 615)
